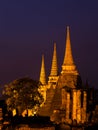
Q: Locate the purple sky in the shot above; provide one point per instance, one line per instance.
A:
(28, 28)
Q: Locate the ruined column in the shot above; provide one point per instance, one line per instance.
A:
(67, 106)
(84, 107)
(64, 98)
(78, 106)
(74, 105)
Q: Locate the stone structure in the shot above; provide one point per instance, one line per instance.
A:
(66, 99)
(43, 79)
(26, 127)
(53, 77)
(42, 73)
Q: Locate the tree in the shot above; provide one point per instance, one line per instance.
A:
(23, 94)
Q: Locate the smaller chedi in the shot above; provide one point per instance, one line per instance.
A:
(65, 98)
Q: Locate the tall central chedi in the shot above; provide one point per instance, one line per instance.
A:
(68, 63)
(59, 85)
(69, 75)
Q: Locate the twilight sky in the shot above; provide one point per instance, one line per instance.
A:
(28, 29)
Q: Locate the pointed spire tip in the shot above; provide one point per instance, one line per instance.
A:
(68, 29)
(42, 72)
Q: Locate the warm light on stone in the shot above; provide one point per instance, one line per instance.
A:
(43, 73)
(14, 112)
(63, 92)
(54, 68)
(78, 106)
(68, 63)
(84, 107)
(68, 106)
(74, 107)
(53, 77)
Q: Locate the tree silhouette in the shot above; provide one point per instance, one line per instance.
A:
(22, 94)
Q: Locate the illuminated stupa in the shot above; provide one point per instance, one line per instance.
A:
(69, 74)
(65, 99)
(53, 77)
(42, 73)
(68, 63)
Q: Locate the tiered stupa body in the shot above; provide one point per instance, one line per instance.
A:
(53, 77)
(49, 89)
(42, 79)
(69, 76)
(65, 98)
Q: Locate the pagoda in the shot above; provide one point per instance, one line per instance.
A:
(65, 98)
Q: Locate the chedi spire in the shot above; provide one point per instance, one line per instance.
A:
(68, 63)
(42, 73)
(54, 68)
